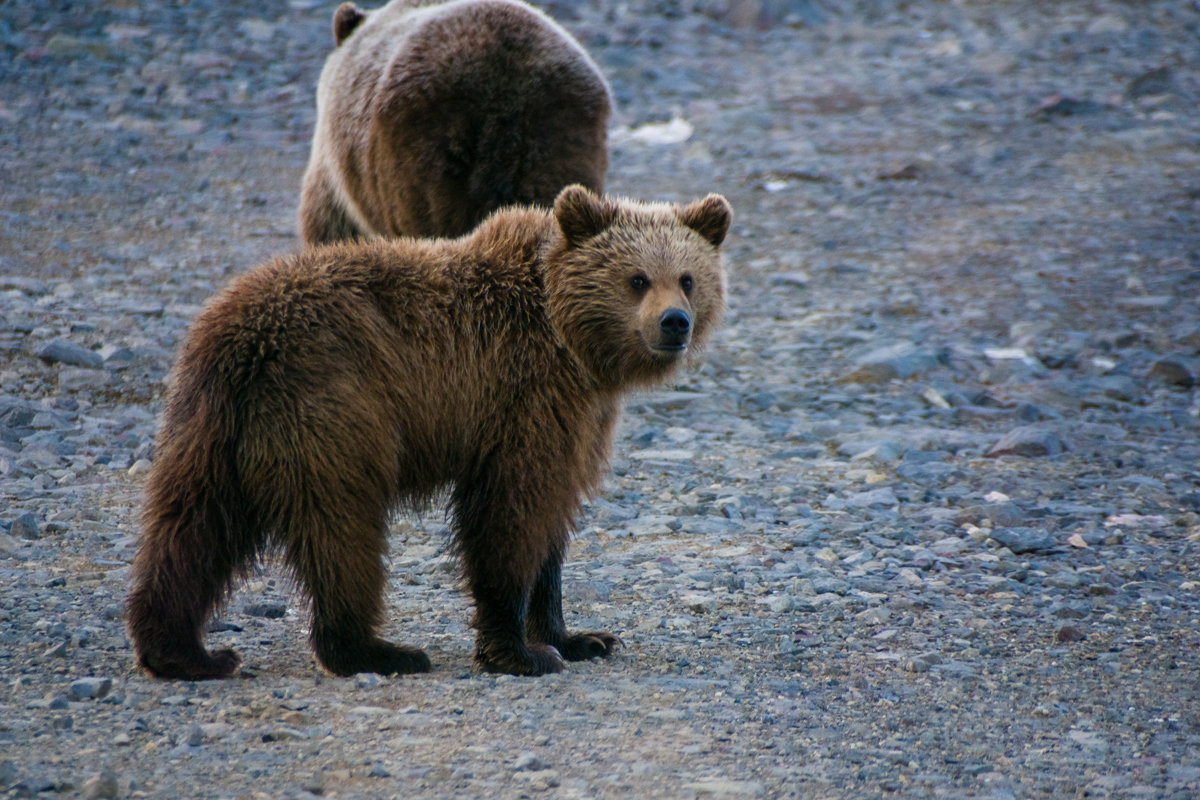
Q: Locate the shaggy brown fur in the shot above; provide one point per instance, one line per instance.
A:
(432, 115)
(321, 391)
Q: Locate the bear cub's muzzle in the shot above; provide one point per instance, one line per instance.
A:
(675, 329)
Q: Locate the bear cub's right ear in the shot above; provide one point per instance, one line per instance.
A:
(709, 217)
(582, 214)
(345, 20)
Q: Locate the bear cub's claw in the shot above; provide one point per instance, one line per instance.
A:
(589, 644)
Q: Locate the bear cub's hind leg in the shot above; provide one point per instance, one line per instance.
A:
(345, 579)
(545, 620)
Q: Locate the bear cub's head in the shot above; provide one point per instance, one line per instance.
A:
(635, 286)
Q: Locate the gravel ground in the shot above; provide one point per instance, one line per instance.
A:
(924, 522)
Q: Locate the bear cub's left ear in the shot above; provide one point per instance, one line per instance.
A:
(582, 214)
(709, 217)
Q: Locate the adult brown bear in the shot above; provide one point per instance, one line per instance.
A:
(432, 115)
(320, 391)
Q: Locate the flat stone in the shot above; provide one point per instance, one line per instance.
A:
(1025, 540)
(61, 351)
(22, 284)
(720, 787)
(265, 608)
(1172, 372)
(25, 527)
(1029, 441)
(89, 688)
(529, 762)
(873, 498)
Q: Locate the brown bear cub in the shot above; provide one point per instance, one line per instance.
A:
(432, 115)
(321, 391)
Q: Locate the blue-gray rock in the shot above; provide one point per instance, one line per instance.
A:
(22, 284)
(102, 786)
(89, 688)
(265, 608)
(1173, 371)
(1025, 540)
(929, 472)
(25, 527)
(1004, 515)
(61, 351)
(1028, 440)
(872, 498)
(529, 762)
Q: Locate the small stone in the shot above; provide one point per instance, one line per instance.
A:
(8, 545)
(1173, 372)
(25, 526)
(89, 688)
(1070, 611)
(366, 680)
(780, 604)
(102, 786)
(699, 603)
(1148, 84)
(874, 616)
(1069, 633)
(871, 373)
(22, 284)
(140, 467)
(529, 762)
(56, 651)
(1028, 440)
(265, 608)
(874, 498)
(195, 736)
(1025, 540)
(722, 787)
(282, 733)
(378, 770)
(115, 356)
(64, 352)
(1004, 514)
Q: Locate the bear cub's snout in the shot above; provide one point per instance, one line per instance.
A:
(675, 327)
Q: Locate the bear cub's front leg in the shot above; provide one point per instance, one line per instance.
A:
(519, 620)
(545, 622)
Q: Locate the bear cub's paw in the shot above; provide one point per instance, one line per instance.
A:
(536, 659)
(589, 644)
(217, 665)
(376, 656)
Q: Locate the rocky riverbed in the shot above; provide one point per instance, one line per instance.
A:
(923, 522)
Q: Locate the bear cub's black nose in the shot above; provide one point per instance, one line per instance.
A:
(675, 323)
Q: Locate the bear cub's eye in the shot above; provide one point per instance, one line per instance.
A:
(639, 283)
(685, 283)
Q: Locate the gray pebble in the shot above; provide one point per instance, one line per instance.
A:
(89, 688)
(270, 609)
(1028, 440)
(1025, 540)
(102, 786)
(25, 526)
(61, 351)
(529, 762)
